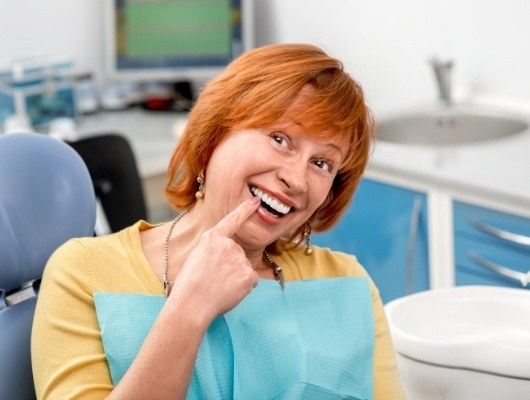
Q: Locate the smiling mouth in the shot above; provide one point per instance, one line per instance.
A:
(271, 204)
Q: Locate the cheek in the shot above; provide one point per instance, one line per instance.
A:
(319, 196)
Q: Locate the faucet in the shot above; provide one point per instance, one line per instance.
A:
(442, 73)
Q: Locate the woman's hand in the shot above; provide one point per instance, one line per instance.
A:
(217, 274)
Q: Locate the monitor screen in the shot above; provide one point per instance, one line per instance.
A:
(175, 40)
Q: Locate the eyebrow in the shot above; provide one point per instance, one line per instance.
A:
(336, 148)
(332, 145)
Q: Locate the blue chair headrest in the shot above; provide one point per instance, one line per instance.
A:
(46, 198)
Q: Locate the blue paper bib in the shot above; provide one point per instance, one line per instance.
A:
(314, 340)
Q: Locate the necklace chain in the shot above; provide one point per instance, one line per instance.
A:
(276, 269)
(165, 281)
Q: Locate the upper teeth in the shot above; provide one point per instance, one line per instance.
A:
(273, 203)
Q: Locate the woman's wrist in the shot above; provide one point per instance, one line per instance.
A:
(190, 308)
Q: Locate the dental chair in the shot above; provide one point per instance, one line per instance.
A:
(46, 198)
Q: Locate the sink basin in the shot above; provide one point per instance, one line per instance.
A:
(448, 126)
(473, 327)
(465, 342)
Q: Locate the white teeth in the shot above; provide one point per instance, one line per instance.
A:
(273, 203)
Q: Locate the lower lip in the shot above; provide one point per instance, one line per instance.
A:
(268, 218)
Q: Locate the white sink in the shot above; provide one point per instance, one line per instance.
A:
(449, 126)
(482, 328)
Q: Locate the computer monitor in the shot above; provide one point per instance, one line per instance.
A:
(175, 40)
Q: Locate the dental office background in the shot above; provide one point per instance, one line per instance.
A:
(385, 44)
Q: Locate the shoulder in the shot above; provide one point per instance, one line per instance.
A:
(122, 241)
(323, 263)
(86, 247)
(94, 260)
(77, 254)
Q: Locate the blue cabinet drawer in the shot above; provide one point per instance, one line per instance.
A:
(486, 224)
(491, 247)
(464, 277)
(473, 256)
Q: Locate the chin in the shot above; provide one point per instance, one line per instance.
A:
(255, 237)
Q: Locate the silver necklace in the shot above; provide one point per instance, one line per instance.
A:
(276, 269)
(165, 281)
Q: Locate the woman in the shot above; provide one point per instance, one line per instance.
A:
(229, 300)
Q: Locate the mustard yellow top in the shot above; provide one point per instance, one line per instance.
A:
(67, 352)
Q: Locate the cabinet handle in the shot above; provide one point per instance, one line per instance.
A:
(411, 245)
(501, 234)
(501, 270)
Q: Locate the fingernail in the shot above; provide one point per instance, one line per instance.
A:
(254, 200)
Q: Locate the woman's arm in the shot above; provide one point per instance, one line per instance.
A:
(215, 277)
(67, 354)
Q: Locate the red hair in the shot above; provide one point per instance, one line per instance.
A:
(254, 91)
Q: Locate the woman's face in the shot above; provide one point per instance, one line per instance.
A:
(291, 171)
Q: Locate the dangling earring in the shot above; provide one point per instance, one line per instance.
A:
(199, 194)
(306, 236)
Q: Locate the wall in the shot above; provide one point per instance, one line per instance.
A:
(386, 44)
(57, 27)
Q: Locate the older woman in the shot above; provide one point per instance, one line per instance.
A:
(229, 300)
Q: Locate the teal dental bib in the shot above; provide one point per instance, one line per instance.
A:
(314, 340)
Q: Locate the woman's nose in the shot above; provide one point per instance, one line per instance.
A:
(294, 176)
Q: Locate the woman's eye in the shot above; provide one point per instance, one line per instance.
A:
(324, 165)
(279, 139)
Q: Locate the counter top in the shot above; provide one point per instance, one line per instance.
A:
(498, 168)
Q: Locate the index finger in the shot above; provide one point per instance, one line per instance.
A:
(232, 221)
